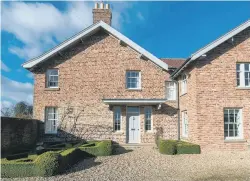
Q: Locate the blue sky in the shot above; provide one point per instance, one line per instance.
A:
(166, 29)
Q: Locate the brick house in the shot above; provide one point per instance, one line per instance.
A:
(130, 96)
(214, 88)
(120, 86)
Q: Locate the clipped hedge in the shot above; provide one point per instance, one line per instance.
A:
(53, 162)
(167, 147)
(48, 163)
(18, 169)
(23, 167)
(101, 148)
(69, 158)
(172, 147)
(187, 148)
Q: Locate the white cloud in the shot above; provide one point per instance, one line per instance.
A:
(6, 104)
(4, 67)
(140, 16)
(40, 26)
(30, 75)
(16, 91)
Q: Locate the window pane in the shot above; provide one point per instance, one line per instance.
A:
(226, 116)
(53, 72)
(238, 67)
(246, 67)
(117, 119)
(148, 113)
(226, 127)
(231, 116)
(231, 133)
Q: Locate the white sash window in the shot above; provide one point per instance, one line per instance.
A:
(233, 123)
(117, 119)
(171, 90)
(183, 84)
(184, 124)
(243, 74)
(133, 80)
(51, 120)
(52, 78)
(148, 118)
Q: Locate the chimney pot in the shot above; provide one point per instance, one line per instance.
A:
(96, 5)
(102, 12)
(101, 5)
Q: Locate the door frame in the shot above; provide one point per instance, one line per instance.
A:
(127, 125)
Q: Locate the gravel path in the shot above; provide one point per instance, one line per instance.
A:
(144, 164)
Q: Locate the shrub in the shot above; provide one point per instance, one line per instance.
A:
(48, 164)
(18, 169)
(51, 163)
(167, 147)
(102, 148)
(187, 148)
(70, 157)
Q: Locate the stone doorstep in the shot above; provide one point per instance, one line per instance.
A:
(133, 146)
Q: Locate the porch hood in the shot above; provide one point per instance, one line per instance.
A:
(133, 101)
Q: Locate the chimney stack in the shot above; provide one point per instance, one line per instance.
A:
(102, 12)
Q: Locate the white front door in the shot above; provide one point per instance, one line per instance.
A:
(133, 124)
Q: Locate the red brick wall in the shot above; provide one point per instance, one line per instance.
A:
(211, 88)
(94, 70)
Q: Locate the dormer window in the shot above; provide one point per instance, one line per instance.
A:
(52, 78)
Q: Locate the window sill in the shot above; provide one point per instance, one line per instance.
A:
(52, 89)
(184, 137)
(134, 89)
(243, 88)
(235, 140)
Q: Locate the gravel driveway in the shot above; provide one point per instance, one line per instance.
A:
(144, 164)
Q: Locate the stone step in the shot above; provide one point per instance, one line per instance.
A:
(133, 146)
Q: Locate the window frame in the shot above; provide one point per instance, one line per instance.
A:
(242, 78)
(114, 118)
(139, 79)
(55, 124)
(240, 125)
(48, 76)
(151, 118)
(184, 124)
(183, 84)
(174, 98)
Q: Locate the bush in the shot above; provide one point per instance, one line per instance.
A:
(18, 169)
(101, 148)
(187, 148)
(167, 147)
(51, 163)
(48, 164)
(69, 158)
